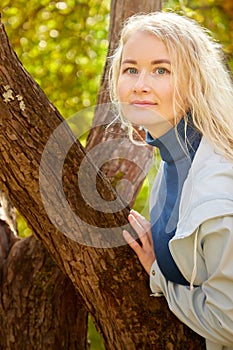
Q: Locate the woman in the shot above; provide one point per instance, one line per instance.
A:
(168, 76)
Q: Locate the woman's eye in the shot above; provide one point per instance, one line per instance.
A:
(161, 71)
(131, 70)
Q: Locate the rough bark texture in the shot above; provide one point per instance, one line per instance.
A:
(111, 281)
(39, 307)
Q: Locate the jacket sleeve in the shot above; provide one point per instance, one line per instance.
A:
(208, 308)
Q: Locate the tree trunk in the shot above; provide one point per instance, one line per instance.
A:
(49, 178)
(39, 308)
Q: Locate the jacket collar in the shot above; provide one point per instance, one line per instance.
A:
(179, 142)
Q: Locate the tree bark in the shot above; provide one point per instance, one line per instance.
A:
(85, 241)
(39, 308)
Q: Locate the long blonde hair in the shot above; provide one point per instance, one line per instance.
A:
(197, 62)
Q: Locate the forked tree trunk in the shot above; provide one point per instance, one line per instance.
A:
(49, 179)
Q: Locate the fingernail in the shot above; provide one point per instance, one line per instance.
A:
(133, 211)
(130, 216)
(125, 233)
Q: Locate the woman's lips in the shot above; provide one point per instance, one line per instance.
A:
(143, 103)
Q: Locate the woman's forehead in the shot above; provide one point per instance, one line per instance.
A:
(144, 44)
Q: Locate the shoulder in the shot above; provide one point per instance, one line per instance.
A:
(207, 191)
(208, 162)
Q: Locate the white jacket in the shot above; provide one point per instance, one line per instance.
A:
(203, 250)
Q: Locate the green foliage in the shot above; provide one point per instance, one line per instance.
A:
(24, 230)
(62, 44)
(216, 16)
(96, 342)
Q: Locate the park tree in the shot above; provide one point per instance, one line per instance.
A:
(75, 262)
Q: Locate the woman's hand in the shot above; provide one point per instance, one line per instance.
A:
(145, 252)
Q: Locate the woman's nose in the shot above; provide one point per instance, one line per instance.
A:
(142, 83)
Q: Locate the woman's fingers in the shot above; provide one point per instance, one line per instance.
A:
(145, 252)
(136, 225)
(131, 242)
(141, 226)
(141, 219)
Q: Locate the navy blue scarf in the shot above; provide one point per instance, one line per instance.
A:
(177, 157)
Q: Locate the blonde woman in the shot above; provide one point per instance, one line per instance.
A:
(169, 76)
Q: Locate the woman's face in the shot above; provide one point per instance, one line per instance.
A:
(144, 87)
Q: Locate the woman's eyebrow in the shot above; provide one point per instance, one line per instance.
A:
(129, 61)
(162, 60)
